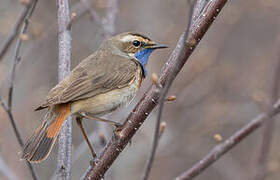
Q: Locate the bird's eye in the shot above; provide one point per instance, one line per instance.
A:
(136, 43)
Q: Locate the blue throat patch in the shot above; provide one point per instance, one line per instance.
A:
(143, 57)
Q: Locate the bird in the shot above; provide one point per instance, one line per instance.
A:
(105, 81)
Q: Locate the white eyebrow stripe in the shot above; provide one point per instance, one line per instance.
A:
(127, 38)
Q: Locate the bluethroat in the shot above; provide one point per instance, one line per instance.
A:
(103, 82)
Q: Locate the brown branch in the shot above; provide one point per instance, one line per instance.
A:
(197, 9)
(64, 61)
(180, 55)
(163, 94)
(16, 29)
(228, 144)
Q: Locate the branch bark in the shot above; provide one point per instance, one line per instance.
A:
(228, 144)
(268, 130)
(16, 29)
(64, 62)
(24, 21)
(197, 9)
(193, 14)
(180, 55)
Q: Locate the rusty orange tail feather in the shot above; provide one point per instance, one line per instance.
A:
(39, 145)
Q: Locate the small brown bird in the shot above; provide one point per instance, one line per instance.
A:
(104, 81)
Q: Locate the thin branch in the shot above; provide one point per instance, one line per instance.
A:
(19, 138)
(108, 22)
(64, 61)
(163, 94)
(99, 142)
(12, 120)
(93, 13)
(264, 149)
(38, 44)
(228, 144)
(108, 29)
(16, 54)
(8, 108)
(110, 19)
(268, 129)
(180, 55)
(16, 29)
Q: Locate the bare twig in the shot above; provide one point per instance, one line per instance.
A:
(93, 13)
(264, 150)
(268, 129)
(16, 29)
(96, 138)
(228, 144)
(110, 19)
(108, 22)
(150, 99)
(8, 108)
(19, 138)
(16, 54)
(64, 61)
(12, 120)
(38, 44)
(163, 94)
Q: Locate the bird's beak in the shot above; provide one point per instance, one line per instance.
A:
(156, 46)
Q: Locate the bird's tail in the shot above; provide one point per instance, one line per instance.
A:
(39, 145)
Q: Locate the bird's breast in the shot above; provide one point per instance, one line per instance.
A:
(109, 101)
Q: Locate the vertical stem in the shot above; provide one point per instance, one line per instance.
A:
(268, 130)
(64, 56)
(110, 19)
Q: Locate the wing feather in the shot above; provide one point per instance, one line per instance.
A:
(98, 73)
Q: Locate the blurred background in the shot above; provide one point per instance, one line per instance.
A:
(231, 77)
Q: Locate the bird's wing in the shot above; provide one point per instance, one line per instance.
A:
(96, 74)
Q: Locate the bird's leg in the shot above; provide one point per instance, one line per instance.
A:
(79, 122)
(116, 124)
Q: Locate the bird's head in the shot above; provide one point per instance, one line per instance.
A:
(137, 46)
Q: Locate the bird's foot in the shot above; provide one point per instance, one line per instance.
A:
(117, 131)
(118, 126)
(93, 162)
